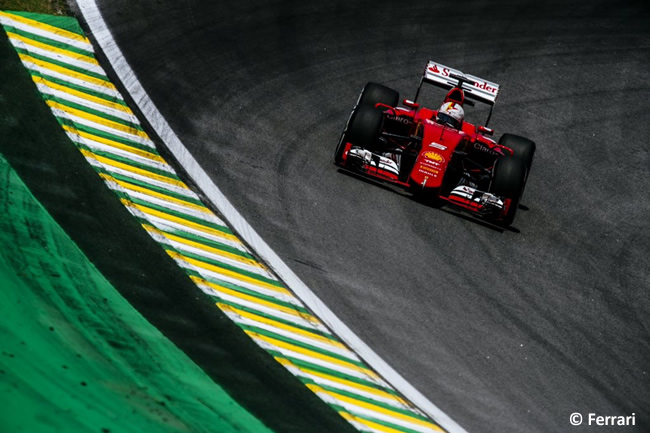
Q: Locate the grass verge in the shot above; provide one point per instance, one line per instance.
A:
(65, 184)
(53, 7)
(76, 357)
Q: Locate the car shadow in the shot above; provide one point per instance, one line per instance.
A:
(479, 221)
(373, 182)
(438, 206)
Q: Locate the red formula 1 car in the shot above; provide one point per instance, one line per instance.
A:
(436, 154)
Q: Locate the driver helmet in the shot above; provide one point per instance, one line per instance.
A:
(451, 114)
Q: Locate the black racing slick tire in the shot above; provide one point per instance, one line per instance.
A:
(508, 181)
(523, 148)
(365, 127)
(362, 130)
(374, 93)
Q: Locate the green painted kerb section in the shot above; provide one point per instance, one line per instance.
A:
(74, 355)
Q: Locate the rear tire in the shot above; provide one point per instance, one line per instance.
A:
(374, 93)
(508, 181)
(362, 130)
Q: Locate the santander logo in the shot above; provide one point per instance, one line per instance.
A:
(478, 84)
(485, 87)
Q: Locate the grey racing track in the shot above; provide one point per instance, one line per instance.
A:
(505, 331)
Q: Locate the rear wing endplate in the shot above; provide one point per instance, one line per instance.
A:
(448, 78)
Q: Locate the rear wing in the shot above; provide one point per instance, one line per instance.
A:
(448, 78)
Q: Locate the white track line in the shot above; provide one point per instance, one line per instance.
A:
(104, 38)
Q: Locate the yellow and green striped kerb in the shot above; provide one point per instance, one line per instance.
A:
(96, 118)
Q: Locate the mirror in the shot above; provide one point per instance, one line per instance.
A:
(411, 104)
(485, 130)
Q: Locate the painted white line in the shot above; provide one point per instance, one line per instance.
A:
(46, 34)
(128, 78)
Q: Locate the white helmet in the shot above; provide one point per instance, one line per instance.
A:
(451, 114)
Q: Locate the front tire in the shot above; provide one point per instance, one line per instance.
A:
(523, 148)
(508, 181)
(362, 130)
(374, 93)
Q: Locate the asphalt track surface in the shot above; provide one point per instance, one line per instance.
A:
(506, 331)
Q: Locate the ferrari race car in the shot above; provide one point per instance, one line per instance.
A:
(436, 154)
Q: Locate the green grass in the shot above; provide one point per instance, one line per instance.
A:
(54, 7)
(68, 187)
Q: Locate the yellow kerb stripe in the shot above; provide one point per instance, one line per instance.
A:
(214, 250)
(53, 49)
(313, 354)
(133, 169)
(380, 409)
(225, 290)
(115, 144)
(68, 72)
(371, 424)
(351, 384)
(280, 325)
(351, 417)
(157, 194)
(97, 119)
(355, 385)
(45, 27)
(83, 95)
(181, 221)
(228, 273)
